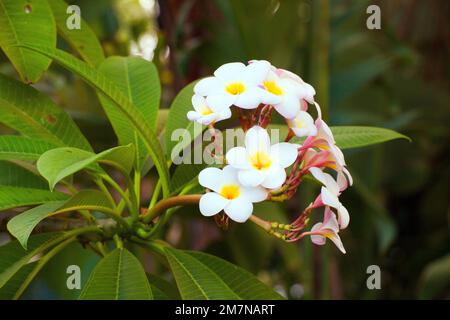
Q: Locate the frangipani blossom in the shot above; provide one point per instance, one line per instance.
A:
(237, 84)
(259, 162)
(329, 228)
(329, 195)
(228, 194)
(308, 91)
(303, 125)
(205, 113)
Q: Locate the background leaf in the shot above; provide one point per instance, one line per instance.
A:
(118, 276)
(35, 115)
(14, 175)
(358, 136)
(23, 22)
(11, 197)
(22, 148)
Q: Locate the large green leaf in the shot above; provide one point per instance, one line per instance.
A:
(202, 276)
(83, 40)
(23, 224)
(118, 276)
(9, 290)
(33, 114)
(355, 136)
(24, 22)
(11, 197)
(22, 148)
(57, 164)
(139, 81)
(14, 257)
(177, 119)
(15, 176)
(109, 89)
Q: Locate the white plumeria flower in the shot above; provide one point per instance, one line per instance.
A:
(205, 113)
(289, 92)
(237, 84)
(303, 125)
(228, 194)
(259, 163)
(308, 91)
(330, 195)
(329, 228)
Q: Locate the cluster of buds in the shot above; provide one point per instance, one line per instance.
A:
(259, 170)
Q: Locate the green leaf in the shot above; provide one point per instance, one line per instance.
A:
(202, 276)
(167, 290)
(9, 290)
(11, 197)
(23, 224)
(24, 22)
(357, 136)
(14, 257)
(15, 176)
(35, 115)
(22, 148)
(83, 40)
(138, 80)
(118, 276)
(57, 164)
(183, 175)
(109, 89)
(177, 119)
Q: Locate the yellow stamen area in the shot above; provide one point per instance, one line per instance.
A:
(272, 87)
(230, 191)
(260, 161)
(299, 123)
(235, 88)
(204, 110)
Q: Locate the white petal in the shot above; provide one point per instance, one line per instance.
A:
(289, 107)
(275, 179)
(256, 72)
(224, 114)
(208, 86)
(230, 175)
(212, 203)
(257, 140)
(206, 120)
(220, 101)
(329, 198)
(256, 194)
(285, 153)
(251, 177)
(337, 241)
(239, 209)
(237, 157)
(317, 239)
(250, 98)
(211, 178)
(310, 92)
(329, 221)
(230, 71)
(193, 115)
(326, 179)
(198, 102)
(344, 217)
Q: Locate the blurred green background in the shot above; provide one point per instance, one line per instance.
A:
(396, 77)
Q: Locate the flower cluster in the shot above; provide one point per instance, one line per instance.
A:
(260, 170)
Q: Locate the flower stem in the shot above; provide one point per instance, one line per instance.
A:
(167, 203)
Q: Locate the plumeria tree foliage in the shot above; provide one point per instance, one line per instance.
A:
(42, 161)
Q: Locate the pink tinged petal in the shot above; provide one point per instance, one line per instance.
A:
(257, 140)
(342, 181)
(251, 177)
(319, 111)
(230, 71)
(212, 203)
(256, 72)
(329, 198)
(250, 98)
(198, 102)
(316, 238)
(211, 178)
(208, 86)
(255, 194)
(349, 176)
(237, 157)
(220, 101)
(193, 115)
(344, 217)
(284, 153)
(274, 179)
(310, 92)
(289, 107)
(338, 155)
(326, 179)
(239, 209)
(337, 241)
(329, 221)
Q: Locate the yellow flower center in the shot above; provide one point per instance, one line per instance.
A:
(272, 87)
(260, 161)
(235, 88)
(204, 110)
(299, 123)
(230, 191)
